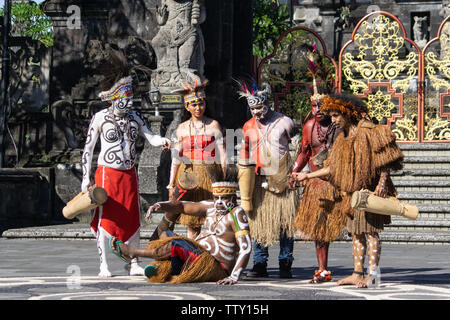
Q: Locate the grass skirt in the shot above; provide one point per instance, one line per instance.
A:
(319, 216)
(203, 269)
(202, 192)
(272, 214)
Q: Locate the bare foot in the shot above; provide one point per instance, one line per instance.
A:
(124, 249)
(354, 279)
(364, 283)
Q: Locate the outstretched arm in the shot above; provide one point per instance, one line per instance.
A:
(174, 208)
(176, 162)
(242, 236)
(304, 154)
(154, 139)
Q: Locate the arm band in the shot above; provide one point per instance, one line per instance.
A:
(241, 233)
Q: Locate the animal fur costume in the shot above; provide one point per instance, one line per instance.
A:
(356, 162)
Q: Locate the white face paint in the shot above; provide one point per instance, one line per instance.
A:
(122, 106)
(223, 205)
(259, 111)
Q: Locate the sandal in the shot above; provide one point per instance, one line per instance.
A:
(116, 249)
(321, 276)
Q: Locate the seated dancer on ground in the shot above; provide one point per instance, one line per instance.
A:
(219, 253)
(198, 152)
(318, 218)
(360, 158)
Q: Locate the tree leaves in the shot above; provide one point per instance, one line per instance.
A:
(28, 20)
(270, 20)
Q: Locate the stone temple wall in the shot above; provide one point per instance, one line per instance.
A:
(82, 31)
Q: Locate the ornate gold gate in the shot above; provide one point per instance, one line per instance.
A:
(383, 66)
(406, 88)
(437, 78)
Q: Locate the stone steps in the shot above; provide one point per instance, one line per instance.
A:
(424, 181)
(77, 231)
(419, 237)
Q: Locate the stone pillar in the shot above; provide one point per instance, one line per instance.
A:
(152, 168)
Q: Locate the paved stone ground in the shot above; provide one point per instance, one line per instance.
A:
(67, 270)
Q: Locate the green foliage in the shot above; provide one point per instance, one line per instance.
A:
(296, 104)
(28, 20)
(270, 20)
(298, 59)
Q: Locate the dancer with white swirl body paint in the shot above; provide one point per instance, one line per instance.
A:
(118, 128)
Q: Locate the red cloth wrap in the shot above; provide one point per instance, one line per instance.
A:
(199, 148)
(121, 213)
(251, 138)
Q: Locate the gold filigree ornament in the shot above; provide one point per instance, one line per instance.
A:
(380, 105)
(378, 43)
(435, 127)
(438, 70)
(405, 129)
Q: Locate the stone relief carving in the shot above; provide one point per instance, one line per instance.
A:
(179, 44)
(72, 118)
(29, 76)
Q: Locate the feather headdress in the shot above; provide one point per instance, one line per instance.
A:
(193, 89)
(117, 82)
(255, 96)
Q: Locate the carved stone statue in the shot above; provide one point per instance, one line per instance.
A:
(179, 42)
(420, 29)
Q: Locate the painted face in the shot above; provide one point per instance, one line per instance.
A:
(196, 109)
(122, 106)
(223, 203)
(319, 116)
(338, 119)
(259, 111)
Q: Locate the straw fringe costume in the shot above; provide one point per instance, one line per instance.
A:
(274, 205)
(355, 163)
(272, 212)
(203, 269)
(203, 191)
(319, 215)
(270, 205)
